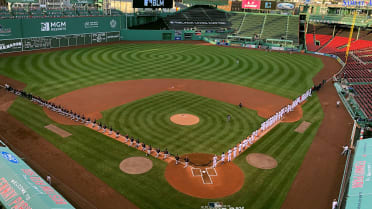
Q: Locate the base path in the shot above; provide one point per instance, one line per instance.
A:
(88, 101)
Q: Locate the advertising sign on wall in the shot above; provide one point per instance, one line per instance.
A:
(152, 3)
(251, 4)
(285, 6)
(268, 5)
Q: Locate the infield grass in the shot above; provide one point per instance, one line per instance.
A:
(148, 119)
(51, 74)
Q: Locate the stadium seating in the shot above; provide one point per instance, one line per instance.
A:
(36, 12)
(19, 12)
(95, 12)
(293, 29)
(54, 12)
(275, 27)
(358, 69)
(236, 20)
(200, 17)
(310, 43)
(364, 98)
(82, 12)
(252, 25)
(69, 12)
(4, 13)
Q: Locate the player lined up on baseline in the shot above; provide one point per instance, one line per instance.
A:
(81, 118)
(50, 105)
(264, 126)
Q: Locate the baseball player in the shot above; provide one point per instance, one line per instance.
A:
(157, 152)
(117, 134)
(234, 153)
(240, 147)
(88, 121)
(177, 159)
(137, 143)
(99, 126)
(94, 123)
(104, 129)
(110, 131)
(144, 147)
(214, 161)
(149, 150)
(229, 155)
(186, 162)
(222, 158)
(126, 138)
(165, 154)
(131, 141)
(228, 118)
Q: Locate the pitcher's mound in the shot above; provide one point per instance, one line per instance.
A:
(184, 119)
(261, 161)
(135, 165)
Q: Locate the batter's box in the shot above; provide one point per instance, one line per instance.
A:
(205, 174)
(211, 172)
(196, 171)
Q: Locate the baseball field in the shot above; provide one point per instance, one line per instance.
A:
(51, 75)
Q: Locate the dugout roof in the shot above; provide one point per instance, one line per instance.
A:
(360, 184)
(21, 187)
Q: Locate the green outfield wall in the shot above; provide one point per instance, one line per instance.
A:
(147, 35)
(44, 33)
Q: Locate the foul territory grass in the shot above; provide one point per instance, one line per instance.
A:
(149, 119)
(52, 74)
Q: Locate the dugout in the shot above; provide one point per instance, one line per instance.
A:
(22, 187)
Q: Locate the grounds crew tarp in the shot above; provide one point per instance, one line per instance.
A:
(360, 185)
(21, 187)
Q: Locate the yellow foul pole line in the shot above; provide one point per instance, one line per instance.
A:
(350, 37)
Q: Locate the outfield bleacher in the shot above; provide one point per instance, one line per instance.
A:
(293, 29)
(268, 26)
(200, 17)
(275, 27)
(252, 25)
(236, 20)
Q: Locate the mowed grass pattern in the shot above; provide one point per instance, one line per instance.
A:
(55, 73)
(148, 119)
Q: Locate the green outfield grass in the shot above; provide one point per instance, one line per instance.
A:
(149, 120)
(55, 73)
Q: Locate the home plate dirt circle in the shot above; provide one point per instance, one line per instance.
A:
(135, 165)
(204, 181)
(184, 119)
(261, 161)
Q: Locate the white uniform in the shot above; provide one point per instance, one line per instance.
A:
(229, 156)
(214, 161)
(235, 152)
(223, 158)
